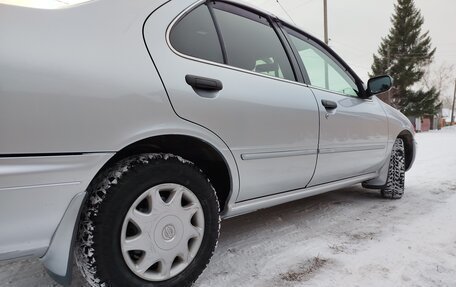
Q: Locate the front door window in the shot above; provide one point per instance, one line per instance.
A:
(323, 71)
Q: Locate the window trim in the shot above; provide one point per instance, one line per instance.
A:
(299, 75)
(210, 6)
(291, 49)
(285, 45)
(242, 12)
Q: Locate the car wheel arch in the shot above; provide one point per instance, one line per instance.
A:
(410, 151)
(203, 154)
(409, 147)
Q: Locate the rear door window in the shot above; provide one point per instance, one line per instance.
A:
(248, 40)
(251, 42)
(195, 35)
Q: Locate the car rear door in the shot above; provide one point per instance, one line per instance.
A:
(234, 77)
(353, 130)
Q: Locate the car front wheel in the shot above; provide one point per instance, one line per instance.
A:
(151, 220)
(394, 188)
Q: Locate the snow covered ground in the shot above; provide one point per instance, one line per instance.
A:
(349, 237)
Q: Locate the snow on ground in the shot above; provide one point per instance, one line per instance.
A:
(349, 237)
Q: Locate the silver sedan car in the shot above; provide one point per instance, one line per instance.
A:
(128, 129)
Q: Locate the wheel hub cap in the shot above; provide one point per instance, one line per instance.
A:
(162, 232)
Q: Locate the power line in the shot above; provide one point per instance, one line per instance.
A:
(325, 20)
(286, 12)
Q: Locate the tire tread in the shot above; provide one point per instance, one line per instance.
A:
(394, 188)
(99, 195)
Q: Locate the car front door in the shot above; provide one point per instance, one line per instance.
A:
(353, 130)
(235, 78)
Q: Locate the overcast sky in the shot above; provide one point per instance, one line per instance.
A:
(356, 26)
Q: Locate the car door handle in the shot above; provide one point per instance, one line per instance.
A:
(329, 105)
(203, 83)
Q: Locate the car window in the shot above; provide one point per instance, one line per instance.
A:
(195, 35)
(252, 44)
(323, 71)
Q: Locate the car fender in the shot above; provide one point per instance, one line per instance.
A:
(398, 126)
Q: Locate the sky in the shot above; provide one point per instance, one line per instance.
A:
(357, 26)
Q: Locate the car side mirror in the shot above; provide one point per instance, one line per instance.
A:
(379, 85)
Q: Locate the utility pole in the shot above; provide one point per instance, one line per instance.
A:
(325, 20)
(325, 12)
(452, 109)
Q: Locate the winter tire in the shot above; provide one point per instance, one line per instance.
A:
(394, 188)
(151, 220)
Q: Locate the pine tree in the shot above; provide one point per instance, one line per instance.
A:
(421, 103)
(404, 54)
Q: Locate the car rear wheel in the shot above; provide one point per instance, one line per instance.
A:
(152, 220)
(394, 188)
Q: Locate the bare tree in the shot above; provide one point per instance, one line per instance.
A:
(441, 79)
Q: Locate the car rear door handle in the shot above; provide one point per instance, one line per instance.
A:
(329, 105)
(203, 83)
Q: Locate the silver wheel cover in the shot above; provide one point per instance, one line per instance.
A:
(162, 232)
